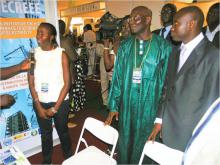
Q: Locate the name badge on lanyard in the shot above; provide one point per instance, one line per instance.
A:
(136, 76)
(44, 87)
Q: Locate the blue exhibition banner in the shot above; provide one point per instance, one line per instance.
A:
(18, 24)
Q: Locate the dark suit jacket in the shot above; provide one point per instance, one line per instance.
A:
(216, 38)
(168, 37)
(189, 93)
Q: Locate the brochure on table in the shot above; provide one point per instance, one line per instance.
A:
(12, 155)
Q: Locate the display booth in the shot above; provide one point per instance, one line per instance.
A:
(19, 20)
(80, 14)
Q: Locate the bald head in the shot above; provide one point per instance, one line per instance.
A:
(215, 6)
(140, 21)
(187, 24)
(143, 11)
(171, 6)
(195, 13)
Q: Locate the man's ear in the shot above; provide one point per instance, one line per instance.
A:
(148, 20)
(51, 38)
(192, 24)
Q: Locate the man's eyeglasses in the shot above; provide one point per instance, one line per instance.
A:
(135, 19)
(166, 12)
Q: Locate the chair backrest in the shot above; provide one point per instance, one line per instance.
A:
(205, 137)
(161, 154)
(204, 141)
(214, 105)
(103, 132)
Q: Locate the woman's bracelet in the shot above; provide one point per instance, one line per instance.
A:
(106, 48)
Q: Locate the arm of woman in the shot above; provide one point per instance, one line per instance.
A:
(8, 72)
(41, 111)
(66, 78)
(108, 58)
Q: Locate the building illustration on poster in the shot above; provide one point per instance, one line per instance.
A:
(19, 20)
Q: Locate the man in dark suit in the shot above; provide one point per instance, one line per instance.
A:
(192, 82)
(212, 30)
(167, 13)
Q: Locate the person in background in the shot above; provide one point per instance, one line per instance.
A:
(192, 81)
(103, 74)
(137, 82)
(79, 88)
(49, 86)
(7, 100)
(166, 17)
(73, 36)
(109, 54)
(67, 43)
(89, 38)
(213, 25)
(107, 50)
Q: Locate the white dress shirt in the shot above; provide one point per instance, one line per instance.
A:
(184, 55)
(211, 35)
(186, 49)
(167, 30)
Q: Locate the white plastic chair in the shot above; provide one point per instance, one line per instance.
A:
(202, 148)
(91, 154)
(161, 154)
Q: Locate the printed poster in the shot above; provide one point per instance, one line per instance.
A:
(19, 20)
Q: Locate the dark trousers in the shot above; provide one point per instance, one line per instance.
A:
(60, 121)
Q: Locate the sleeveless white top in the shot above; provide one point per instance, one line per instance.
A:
(48, 74)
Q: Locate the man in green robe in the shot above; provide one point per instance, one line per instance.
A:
(138, 78)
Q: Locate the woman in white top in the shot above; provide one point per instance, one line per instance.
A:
(49, 86)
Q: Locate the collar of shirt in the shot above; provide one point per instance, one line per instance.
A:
(211, 35)
(167, 30)
(188, 48)
(193, 43)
